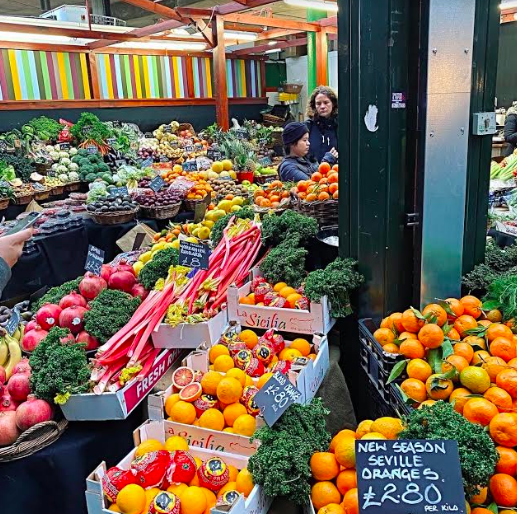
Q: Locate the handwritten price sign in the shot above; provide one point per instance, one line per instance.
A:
(94, 260)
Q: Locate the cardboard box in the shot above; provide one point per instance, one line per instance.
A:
(316, 320)
(110, 406)
(191, 335)
(256, 503)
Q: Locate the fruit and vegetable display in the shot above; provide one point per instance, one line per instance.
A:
(322, 186)
(113, 204)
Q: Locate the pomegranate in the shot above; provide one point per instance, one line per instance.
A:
(106, 271)
(91, 285)
(6, 402)
(48, 316)
(8, 430)
(72, 300)
(122, 280)
(3, 375)
(19, 386)
(22, 367)
(91, 342)
(125, 267)
(31, 325)
(139, 290)
(32, 412)
(69, 338)
(33, 338)
(72, 318)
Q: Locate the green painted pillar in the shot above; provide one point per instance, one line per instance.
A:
(312, 15)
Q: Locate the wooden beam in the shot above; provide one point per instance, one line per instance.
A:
(250, 19)
(203, 28)
(262, 48)
(155, 7)
(94, 76)
(233, 7)
(242, 28)
(321, 58)
(277, 33)
(331, 21)
(42, 47)
(220, 92)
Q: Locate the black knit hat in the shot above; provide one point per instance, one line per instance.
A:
(294, 132)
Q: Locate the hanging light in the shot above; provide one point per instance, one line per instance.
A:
(313, 4)
(240, 36)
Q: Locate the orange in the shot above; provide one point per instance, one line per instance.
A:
(414, 389)
(232, 412)
(332, 508)
(500, 398)
(481, 510)
(453, 335)
(464, 350)
(410, 322)
(419, 369)
(302, 345)
(212, 419)
(292, 299)
(503, 347)
(438, 388)
(286, 291)
(114, 508)
(246, 300)
(263, 379)
(481, 496)
(388, 427)
(498, 330)
(244, 482)
(427, 403)
(459, 397)
(407, 335)
(373, 435)
(456, 307)
(216, 351)
(249, 337)
(513, 363)
(471, 306)
(431, 336)
(507, 380)
(340, 436)
(223, 363)
(465, 323)
(345, 452)
(455, 360)
(384, 336)
(150, 494)
(210, 381)
(323, 169)
(229, 486)
(346, 480)
(176, 442)
(495, 316)
(480, 411)
(238, 374)
(363, 428)
(484, 323)
(289, 354)
(479, 357)
(193, 501)
(433, 310)
(229, 390)
(503, 489)
(475, 379)
(245, 424)
(494, 366)
(503, 429)
(279, 286)
(170, 401)
(211, 499)
(183, 412)
(150, 445)
(392, 348)
(324, 466)
(131, 499)
(177, 489)
(351, 501)
(507, 462)
(323, 493)
(396, 322)
(477, 343)
(233, 473)
(412, 349)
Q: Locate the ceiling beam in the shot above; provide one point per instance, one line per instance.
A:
(203, 28)
(331, 21)
(277, 33)
(233, 7)
(157, 8)
(250, 19)
(262, 48)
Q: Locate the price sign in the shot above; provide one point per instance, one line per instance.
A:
(409, 477)
(120, 162)
(157, 183)
(13, 322)
(64, 146)
(265, 161)
(242, 133)
(164, 158)
(275, 397)
(17, 143)
(189, 166)
(189, 148)
(116, 124)
(94, 260)
(167, 129)
(148, 135)
(194, 255)
(91, 149)
(39, 187)
(3, 145)
(118, 191)
(148, 162)
(214, 155)
(111, 140)
(263, 142)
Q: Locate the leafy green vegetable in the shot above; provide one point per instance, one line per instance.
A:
(336, 281)
(275, 228)
(6, 171)
(46, 128)
(55, 294)
(281, 464)
(23, 167)
(217, 230)
(58, 368)
(478, 455)
(158, 267)
(502, 295)
(109, 312)
(89, 127)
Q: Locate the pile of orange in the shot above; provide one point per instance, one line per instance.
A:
(272, 196)
(290, 294)
(322, 186)
(335, 487)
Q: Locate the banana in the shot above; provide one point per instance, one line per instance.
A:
(15, 355)
(4, 352)
(16, 334)
(21, 328)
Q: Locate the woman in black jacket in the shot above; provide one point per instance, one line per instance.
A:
(510, 129)
(322, 123)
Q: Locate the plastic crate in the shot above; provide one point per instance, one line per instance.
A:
(378, 407)
(397, 402)
(377, 376)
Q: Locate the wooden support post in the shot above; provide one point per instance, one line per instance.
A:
(190, 78)
(220, 85)
(321, 58)
(94, 76)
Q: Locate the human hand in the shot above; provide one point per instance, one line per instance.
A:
(334, 153)
(11, 247)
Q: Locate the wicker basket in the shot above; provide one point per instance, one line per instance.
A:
(325, 212)
(284, 205)
(190, 205)
(33, 440)
(187, 126)
(292, 88)
(4, 202)
(41, 168)
(264, 179)
(163, 212)
(57, 190)
(41, 195)
(73, 186)
(273, 121)
(23, 199)
(114, 218)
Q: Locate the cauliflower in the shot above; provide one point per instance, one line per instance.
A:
(73, 166)
(63, 177)
(97, 185)
(54, 166)
(73, 151)
(54, 156)
(73, 176)
(65, 161)
(49, 148)
(62, 169)
(64, 155)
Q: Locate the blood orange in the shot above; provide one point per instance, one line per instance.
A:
(191, 392)
(182, 377)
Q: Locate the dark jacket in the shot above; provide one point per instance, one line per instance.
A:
(322, 136)
(292, 169)
(5, 274)
(510, 132)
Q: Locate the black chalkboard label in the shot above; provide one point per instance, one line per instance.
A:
(148, 162)
(91, 149)
(242, 133)
(214, 155)
(39, 187)
(167, 129)
(111, 141)
(189, 148)
(64, 147)
(263, 141)
(148, 135)
(3, 145)
(275, 397)
(120, 162)
(94, 260)
(194, 255)
(157, 183)
(189, 166)
(265, 161)
(13, 322)
(118, 191)
(409, 477)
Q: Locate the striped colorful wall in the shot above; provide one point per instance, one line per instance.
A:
(244, 78)
(37, 75)
(202, 75)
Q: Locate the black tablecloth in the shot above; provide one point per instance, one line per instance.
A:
(53, 480)
(501, 239)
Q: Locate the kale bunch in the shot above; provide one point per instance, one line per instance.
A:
(281, 464)
(502, 295)
(109, 312)
(275, 228)
(478, 456)
(55, 294)
(217, 230)
(58, 369)
(158, 267)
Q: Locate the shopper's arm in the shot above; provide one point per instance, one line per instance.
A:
(11, 248)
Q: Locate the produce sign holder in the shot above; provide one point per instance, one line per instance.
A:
(189, 335)
(257, 502)
(111, 406)
(317, 320)
(198, 436)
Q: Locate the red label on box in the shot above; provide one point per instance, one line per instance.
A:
(139, 389)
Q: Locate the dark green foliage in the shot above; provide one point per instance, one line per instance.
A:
(478, 455)
(275, 228)
(89, 127)
(57, 368)
(502, 295)
(217, 230)
(23, 167)
(158, 267)
(108, 313)
(55, 294)
(46, 128)
(281, 464)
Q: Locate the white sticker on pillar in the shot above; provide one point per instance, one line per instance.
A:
(370, 118)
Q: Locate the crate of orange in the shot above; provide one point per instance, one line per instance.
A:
(285, 308)
(318, 196)
(274, 196)
(163, 473)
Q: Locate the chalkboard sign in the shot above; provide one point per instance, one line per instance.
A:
(94, 260)
(148, 135)
(157, 183)
(167, 129)
(164, 158)
(409, 477)
(111, 141)
(194, 255)
(64, 147)
(263, 142)
(39, 187)
(265, 161)
(91, 149)
(214, 155)
(148, 162)
(189, 148)
(3, 145)
(118, 191)
(241, 133)
(275, 397)
(120, 162)
(13, 322)
(189, 166)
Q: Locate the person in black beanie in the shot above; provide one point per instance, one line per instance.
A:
(296, 165)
